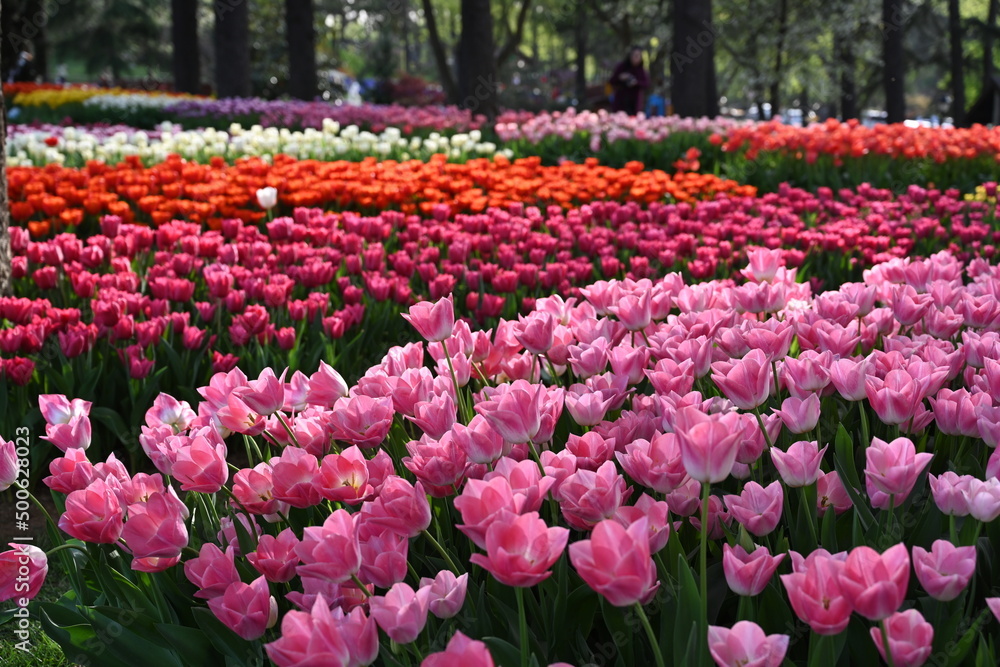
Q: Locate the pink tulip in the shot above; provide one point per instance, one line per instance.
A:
(848, 376)
(325, 637)
(815, 593)
(447, 593)
(9, 466)
(57, 409)
(326, 386)
(654, 463)
(892, 468)
(983, 499)
(275, 557)
(526, 482)
(246, 609)
(70, 472)
(515, 412)
(799, 466)
(747, 381)
(479, 440)
(201, 466)
(212, 571)
(616, 562)
(400, 507)
(875, 584)
(481, 503)
(633, 310)
(957, 412)
(708, 443)
(758, 508)
(894, 399)
(401, 613)
(361, 420)
(266, 394)
(587, 498)
(296, 478)
(344, 477)
(156, 528)
(331, 551)
(433, 321)
(93, 514)
(831, 492)
(910, 638)
(945, 570)
(949, 490)
(745, 645)
(994, 605)
(520, 552)
(748, 573)
(22, 573)
(461, 651)
(383, 555)
(800, 415)
(656, 515)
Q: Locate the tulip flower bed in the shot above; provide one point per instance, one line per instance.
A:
(52, 198)
(655, 473)
(123, 314)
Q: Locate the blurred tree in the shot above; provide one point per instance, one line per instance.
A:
(301, 34)
(232, 48)
(5, 256)
(477, 62)
(692, 64)
(895, 14)
(957, 62)
(186, 51)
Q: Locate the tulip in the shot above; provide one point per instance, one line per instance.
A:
(746, 382)
(93, 514)
(400, 507)
(910, 638)
(799, 466)
(945, 570)
(616, 562)
(994, 605)
(800, 415)
(586, 497)
(433, 321)
(758, 508)
(520, 552)
(892, 468)
(983, 499)
(949, 490)
(447, 593)
(401, 613)
(325, 637)
(156, 528)
(875, 584)
(460, 651)
(831, 492)
(708, 443)
(748, 573)
(275, 557)
(9, 466)
(212, 571)
(331, 551)
(246, 609)
(654, 463)
(745, 645)
(816, 596)
(201, 466)
(22, 573)
(267, 198)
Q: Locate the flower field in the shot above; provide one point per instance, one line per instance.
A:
(567, 390)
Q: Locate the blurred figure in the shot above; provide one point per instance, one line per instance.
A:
(23, 70)
(629, 81)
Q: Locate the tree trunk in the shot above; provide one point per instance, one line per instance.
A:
(33, 10)
(440, 55)
(184, 35)
(301, 35)
(894, 17)
(848, 87)
(580, 35)
(232, 48)
(692, 65)
(779, 58)
(5, 256)
(991, 24)
(957, 62)
(477, 76)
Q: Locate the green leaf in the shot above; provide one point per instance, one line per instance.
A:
(227, 642)
(956, 652)
(505, 653)
(132, 637)
(686, 644)
(193, 647)
(862, 511)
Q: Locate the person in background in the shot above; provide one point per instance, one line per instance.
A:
(629, 81)
(23, 70)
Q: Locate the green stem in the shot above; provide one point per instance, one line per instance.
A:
(649, 633)
(703, 562)
(810, 511)
(864, 424)
(523, 623)
(952, 529)
(885, 643)
(444, 553)
(360, 584)
(760, 422)
(63, 547)
(288, 429)
(454, 381)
